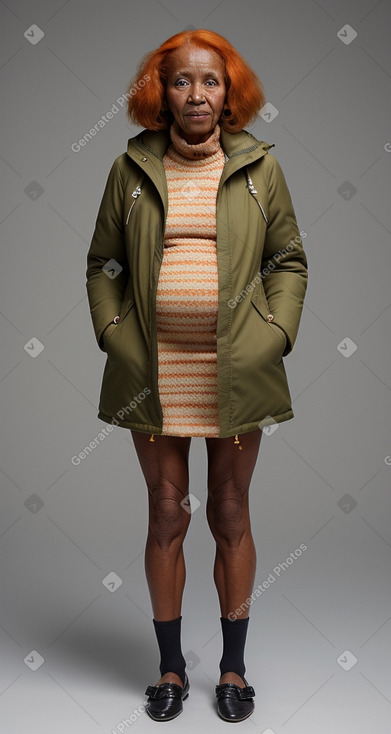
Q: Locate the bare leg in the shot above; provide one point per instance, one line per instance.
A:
(164, 463)
(229, 475)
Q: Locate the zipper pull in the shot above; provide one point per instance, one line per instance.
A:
(152, 438)
(250, 184)
(135, 194)
(237, 441)
(253, 191)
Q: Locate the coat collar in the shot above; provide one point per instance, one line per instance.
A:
(156, 142)
(149, 146)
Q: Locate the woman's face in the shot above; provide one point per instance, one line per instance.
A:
(195, 90)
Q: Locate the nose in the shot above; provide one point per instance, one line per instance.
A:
(196, 94)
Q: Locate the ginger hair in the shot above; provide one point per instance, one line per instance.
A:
(146, 99)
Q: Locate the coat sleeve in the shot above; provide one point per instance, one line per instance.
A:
(284, 263)
(105, 288)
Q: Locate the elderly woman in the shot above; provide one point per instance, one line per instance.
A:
(196, 278)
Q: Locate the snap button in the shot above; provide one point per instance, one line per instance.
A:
(144, 159)
(270, 317)
(116, 319)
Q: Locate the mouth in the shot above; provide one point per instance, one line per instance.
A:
(197, 115)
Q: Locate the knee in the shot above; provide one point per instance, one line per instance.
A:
(227, 513)
(168, 519)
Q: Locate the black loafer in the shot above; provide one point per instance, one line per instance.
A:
(234, 703)
(165, 701)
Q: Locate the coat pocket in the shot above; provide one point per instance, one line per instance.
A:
(112, 329)
(108, 330)
(262, 308)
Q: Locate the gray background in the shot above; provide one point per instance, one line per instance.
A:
(322, 479)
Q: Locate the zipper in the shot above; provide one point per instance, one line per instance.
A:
(253, 191)
(153, 329)
(222, 172)
(249, 181)
(135, 194)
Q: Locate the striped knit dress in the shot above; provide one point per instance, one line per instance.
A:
(187, 289)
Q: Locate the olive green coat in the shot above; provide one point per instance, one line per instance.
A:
(262, 280)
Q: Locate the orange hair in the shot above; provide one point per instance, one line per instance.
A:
(244, 95)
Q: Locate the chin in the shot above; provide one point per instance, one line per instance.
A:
(203, 125)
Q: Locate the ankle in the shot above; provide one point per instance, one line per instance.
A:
(171, 678)
(232, 677)
(234, 638)
(172, 661)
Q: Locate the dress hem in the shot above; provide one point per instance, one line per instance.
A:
(156, 430)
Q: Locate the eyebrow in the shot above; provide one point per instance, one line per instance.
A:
(187, 72)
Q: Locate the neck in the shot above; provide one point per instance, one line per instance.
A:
(195, 150)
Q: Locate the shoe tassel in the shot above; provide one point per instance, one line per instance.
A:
(237, 441)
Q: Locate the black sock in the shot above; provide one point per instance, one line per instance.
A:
(234, 640)
(168, 635)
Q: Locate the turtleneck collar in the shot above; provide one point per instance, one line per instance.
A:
(198, 150)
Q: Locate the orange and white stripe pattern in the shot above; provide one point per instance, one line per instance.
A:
(187, 297)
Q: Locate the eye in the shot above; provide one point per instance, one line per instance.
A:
(179, 82)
